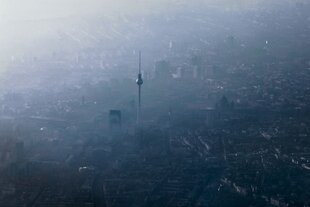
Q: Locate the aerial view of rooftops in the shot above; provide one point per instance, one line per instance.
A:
(155, 103)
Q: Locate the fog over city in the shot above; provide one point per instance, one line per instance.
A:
(154, 103)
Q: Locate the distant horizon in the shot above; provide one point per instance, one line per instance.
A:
(38, 27)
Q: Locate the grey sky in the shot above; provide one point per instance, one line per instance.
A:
(37, 9)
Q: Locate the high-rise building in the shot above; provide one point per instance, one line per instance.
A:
(115, 119)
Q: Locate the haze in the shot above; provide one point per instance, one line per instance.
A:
(218, 114)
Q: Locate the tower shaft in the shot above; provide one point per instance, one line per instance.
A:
(140, 78)
(139, 104)
(139, 82)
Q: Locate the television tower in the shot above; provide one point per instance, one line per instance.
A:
(139, 82)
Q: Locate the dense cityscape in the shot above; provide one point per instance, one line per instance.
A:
(223, 119)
